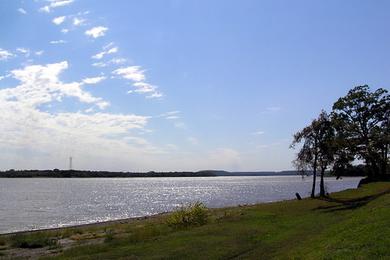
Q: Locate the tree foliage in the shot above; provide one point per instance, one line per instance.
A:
(361, 119)
(317, 148)
(358, 128)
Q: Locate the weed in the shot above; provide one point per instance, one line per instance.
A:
(192, 215)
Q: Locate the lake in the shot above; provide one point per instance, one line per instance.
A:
(38, 203)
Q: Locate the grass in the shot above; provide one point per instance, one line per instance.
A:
(32, 240)
(353, 224)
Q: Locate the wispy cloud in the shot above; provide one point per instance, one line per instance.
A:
(115, 61)
(59, 20)
(22, 11)
(24, 51)
(136, 74)
(5, 55)
(96, 32)
(100, 55)
(77, 21)
(258, 133)
(133, 73)
(39, 53)
(93, 80)
(54, 4)
(57, 42)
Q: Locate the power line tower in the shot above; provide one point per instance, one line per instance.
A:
(70, 163)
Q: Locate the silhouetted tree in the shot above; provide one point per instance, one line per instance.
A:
(317, 151)
(361, 120)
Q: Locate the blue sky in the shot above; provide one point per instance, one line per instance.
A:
(178, 85)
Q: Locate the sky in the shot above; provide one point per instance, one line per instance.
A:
(174, 85)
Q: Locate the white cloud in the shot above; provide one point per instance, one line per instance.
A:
(142, 87)
(22, 11)
(137, 75)
(155, 95)
(39, 53)
(78, 21)
(170, 113)
(64, 31)
(5, 55)
(41, 84)
(133, 73)
(172, 117)
(57, 42)
(93, 80)
(54, 4)
(258, 133)
(114, 61)
(100, 55)
(96, 32)
(59, 20)
(99, 64)
(146, 88)
(95, 140)
(24, 51)
(117, 61)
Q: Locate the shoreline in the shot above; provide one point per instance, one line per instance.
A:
(95, 224)
(152, 216)
(265, 226)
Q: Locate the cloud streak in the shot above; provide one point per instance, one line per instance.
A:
(5, 55)
(96, 32)
(54, 4)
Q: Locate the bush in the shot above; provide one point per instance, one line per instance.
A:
(33, 240)
(109, 236)
(191, 215)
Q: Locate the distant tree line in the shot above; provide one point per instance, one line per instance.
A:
(56, 173)
(357, 130)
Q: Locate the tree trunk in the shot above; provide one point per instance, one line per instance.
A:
(313, 189)
(322, 184)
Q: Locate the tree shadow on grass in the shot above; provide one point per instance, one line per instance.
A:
(349, 204)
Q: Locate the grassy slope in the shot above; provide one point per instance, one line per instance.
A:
(356, 227)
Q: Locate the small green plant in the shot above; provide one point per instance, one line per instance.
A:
(109, 236)
(192, 215)
(33, 240)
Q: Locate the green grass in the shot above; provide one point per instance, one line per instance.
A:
(32, 240)
(354, 224)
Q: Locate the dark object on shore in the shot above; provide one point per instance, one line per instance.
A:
(367, 180)
(298, 196)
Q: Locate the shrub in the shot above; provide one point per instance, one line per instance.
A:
(109, 236)
(191, 215)
(33, 240)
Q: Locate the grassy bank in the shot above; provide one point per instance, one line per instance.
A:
(351, 224)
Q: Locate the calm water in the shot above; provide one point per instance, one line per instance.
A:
(43, 203)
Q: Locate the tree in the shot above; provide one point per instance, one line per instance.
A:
(317, 151)
(361, 119)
